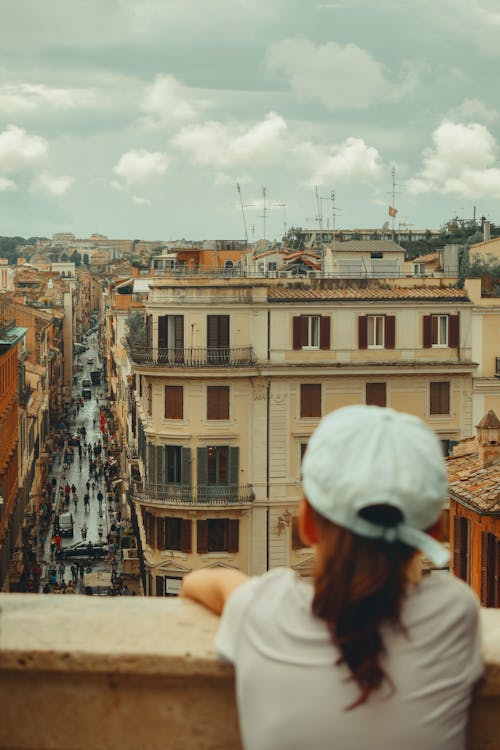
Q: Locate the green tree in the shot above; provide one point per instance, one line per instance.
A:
(137, 327)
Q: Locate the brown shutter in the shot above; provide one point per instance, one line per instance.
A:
(186, 535)
(362, 332)
(149, 330)
(484, 569)
(160, 533)
(212, 333)
(202, 536)
(174, 402)
(427, 331)
(233, 533)
(217, 402)
(162, 332)
(150, 399)
(376, 394)
(324, 332)
(297, 332)
(160, 586)
(179, 331)
(390, 331)
(453, 331)
(296, 540)
(457, 528)
(310, 400)
(223, 330)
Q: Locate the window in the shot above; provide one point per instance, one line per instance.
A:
(310, 400)
(218, 339)
(376, 394)
(490, 569)
(376, 324)
(171, 338)
(174, 402)
(441, 331)
(311, 332)
(150, 399)
(173, 533)
(217, 402)
(218, 471)
(440, 398)
(376, 255)
(376, 332)
(218, 535)
(173, 464)
(217, 464)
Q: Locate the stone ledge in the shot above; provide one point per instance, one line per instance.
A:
(134, 673)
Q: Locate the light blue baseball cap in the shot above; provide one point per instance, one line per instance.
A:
(366, 455)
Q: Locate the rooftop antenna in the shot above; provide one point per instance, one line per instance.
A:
(318, 219)
(392, 208)
(283, 206)
(264, 211)
(242, 212)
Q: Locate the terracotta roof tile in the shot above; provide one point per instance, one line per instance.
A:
(296, 294)
(472, 483)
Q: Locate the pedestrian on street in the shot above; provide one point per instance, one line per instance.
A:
(62, 571)
(87, 485)
(58, 540)
(74, 573)
(73, 488)
(75, 500)
(83, 529)
(53, 546)
(100, 498)
(100, 531)
(93, 487)
(81, 570)
(86, 501)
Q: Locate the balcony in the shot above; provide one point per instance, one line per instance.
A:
(157, 685)
(220, 356)
(201, 494)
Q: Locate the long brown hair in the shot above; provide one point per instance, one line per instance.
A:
(360, 584)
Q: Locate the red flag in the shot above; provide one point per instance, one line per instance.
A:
(393, 212)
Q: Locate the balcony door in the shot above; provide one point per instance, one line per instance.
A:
(171, 338)
(218, 472)
(218, 339)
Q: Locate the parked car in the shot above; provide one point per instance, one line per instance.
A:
(86, 393)
(86, 383)
(74, 440)
(82, 551)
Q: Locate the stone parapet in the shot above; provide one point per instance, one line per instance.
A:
(79, 672)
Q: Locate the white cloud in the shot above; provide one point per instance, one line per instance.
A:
(46, 183)
(167, 101)
(460, 162)
(475, 110)
(341, 76)
(222, 178)
(351, 159)
(24, 97)
(139, 201)
(138, 166)
(6, 184)
(18, 149)
(219, 145)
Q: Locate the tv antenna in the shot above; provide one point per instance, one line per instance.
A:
(243, 211)
(392, 208)
(283, 206)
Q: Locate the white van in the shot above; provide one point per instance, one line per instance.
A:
(66, 524)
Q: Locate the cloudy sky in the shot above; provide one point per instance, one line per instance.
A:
(136, 118)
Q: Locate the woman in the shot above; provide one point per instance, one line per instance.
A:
(370, 655)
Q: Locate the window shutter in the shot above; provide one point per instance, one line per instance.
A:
(150, 399)
(160, 464)
(186, 535)
(151, 463)
(149, 330)
(234, 466)
(202, 470)
(186, 466)
(454, 331)
(223, 330)
(297, 332)
(212, 337)
(160, 533)
(310, 400)
(233, 533)
(376, 394)
(162, 332)
(160, 585)
(362, 332)
(296, 540)
(150, 536)
(427, 331)
(457, 528)
(202, 536)
(496, 603)
(487, 569)
(324, 332)
(179, 331)
(390, 331)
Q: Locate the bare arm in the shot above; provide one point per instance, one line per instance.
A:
(212, 588)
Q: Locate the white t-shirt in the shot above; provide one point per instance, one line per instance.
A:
(292, 695)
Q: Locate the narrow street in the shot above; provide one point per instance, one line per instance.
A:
(96, 523)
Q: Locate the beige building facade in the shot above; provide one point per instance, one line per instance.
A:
(230, 380)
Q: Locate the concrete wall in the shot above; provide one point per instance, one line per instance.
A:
(129, 673)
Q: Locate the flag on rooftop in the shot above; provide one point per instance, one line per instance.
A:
(393, 211)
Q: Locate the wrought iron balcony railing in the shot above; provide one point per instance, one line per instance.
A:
(200, 494)
(219, 356)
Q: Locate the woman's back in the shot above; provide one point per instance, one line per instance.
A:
(293, 694)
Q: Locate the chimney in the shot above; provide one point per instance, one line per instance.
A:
(486, 231)
(488, 439)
